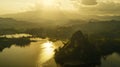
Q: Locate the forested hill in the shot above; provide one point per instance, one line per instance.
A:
(97, 28)
(101, 26)
(12, 23)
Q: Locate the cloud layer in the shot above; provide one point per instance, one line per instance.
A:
(89, 2)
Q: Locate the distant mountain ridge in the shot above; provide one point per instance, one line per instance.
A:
(12, 23)
(56, 16)
(102, 28)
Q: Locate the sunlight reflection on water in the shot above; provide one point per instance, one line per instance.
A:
(47, 52)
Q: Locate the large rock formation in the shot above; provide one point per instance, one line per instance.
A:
(77, 51)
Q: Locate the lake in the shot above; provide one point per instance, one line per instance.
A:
(41, 54)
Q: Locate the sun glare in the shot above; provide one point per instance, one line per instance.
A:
(47, 51)
(57, 4)
(48, 3)
(48, 45)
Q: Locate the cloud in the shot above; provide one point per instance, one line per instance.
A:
(109, 6)
(102, 8)
(89, 2)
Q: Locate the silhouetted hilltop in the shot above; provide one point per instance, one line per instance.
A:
(81, 51)
(77, 39)
(78, 51)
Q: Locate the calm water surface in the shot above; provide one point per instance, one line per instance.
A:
(40, 54)
(37, 54)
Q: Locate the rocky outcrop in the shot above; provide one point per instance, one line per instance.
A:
(77, 51)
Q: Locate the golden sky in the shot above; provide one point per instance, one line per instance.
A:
(15, 6)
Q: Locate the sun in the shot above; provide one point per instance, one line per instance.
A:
(62, 5)
(48, 3)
